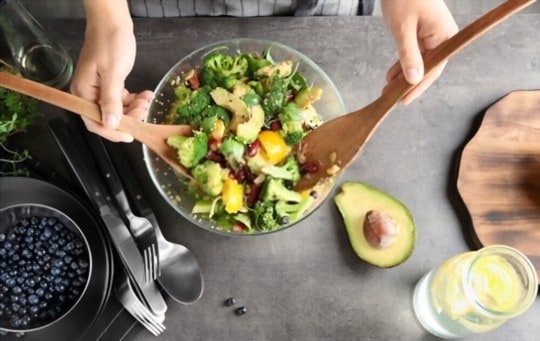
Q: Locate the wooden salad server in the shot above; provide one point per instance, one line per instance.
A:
(152, 135)
(333, 145)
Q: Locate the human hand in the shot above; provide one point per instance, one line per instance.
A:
(106, 59)
(417, 26)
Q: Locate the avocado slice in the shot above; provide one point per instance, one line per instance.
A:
(357, 202)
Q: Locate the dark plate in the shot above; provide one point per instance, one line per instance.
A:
(18, 190)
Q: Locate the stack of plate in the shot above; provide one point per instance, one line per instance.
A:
(16, 191)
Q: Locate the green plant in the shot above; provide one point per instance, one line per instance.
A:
(17, 112)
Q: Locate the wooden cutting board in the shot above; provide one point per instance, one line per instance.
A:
(499, 175)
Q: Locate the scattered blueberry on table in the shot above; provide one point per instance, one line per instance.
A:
(44, 267)
(229, 302)
(240, 311)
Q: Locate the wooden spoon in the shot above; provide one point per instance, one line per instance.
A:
(152, 135)
(333, 145)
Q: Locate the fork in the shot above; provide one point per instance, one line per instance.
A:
(141, 228)
(129, 300)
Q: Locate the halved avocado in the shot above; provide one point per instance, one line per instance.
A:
(354, 202)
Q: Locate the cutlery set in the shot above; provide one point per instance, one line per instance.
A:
(132, 236)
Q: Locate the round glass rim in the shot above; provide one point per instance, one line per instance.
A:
(205, 50)
(527, 298)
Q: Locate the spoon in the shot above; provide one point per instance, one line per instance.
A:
(333, 155)
(181, 276)
(152, 135)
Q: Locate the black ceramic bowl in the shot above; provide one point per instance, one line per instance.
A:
(45, 264)
(24, 198)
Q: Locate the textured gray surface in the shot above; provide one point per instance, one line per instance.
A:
(306, 283)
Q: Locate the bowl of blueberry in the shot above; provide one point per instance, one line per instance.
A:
(45, 267)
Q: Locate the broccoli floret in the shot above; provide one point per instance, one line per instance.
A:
(289, 170)
(291, 118)
(233, 151)
(189, 111)
(294, 138)
(223, 70)
(255, 63)
(210, 176)
(275, 96)
(293, 211)
(227, 65)
(218, 112)
(263, 216)
(207, 77)
(190, 149)
(275, 190)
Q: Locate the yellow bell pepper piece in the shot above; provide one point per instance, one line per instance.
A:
(232, 195)
(274, 146)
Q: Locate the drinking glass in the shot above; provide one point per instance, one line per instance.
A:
(475, 292)
(35, 56)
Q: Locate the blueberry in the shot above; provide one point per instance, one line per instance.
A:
(46, 234)
(83, 263)
(16, 290)
(33, 299)
(15, 306)
(230, 302)
(56, 271)
(44, 221)
(240, 311)
(30, 282)
(2, 237)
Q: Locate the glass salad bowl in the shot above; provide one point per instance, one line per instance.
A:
(235, 206)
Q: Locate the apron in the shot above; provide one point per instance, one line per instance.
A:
(249, 8)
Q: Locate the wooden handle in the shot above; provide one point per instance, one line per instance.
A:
(51, 95)
(433, 58)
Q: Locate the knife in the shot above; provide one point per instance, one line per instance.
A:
(141, 228)
(74, 147)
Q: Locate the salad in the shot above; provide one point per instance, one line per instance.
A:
(248, 113)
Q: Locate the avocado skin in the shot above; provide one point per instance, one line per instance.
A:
(353, 201)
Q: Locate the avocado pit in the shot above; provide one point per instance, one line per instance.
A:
(380, 230)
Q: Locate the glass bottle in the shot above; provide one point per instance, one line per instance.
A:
(35, 56)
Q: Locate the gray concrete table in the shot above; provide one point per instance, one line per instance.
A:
(306, 283)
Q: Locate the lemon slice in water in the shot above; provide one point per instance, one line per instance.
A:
(496, 284)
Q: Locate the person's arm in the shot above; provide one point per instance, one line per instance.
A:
(417, 26)
(105, 60)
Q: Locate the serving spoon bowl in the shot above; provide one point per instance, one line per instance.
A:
(349, 133)
(152, 135)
